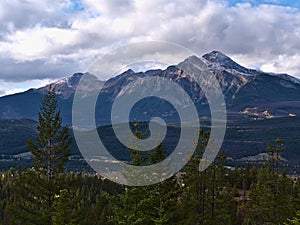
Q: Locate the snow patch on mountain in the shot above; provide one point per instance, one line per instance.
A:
(66, 87)
(232, 77)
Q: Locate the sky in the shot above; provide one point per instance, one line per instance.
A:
(42, 41)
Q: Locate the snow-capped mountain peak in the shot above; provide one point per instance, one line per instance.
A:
(230, 74)
(67, 86)
(218, 60)
(217, 57)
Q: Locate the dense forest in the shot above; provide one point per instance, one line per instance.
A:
(47, 194)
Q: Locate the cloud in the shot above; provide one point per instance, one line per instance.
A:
(51, 39)
(35, 69)
(7, 88)
(282, 64)
(109, 8)
(138, 56)
(16, 15)
(2, 92)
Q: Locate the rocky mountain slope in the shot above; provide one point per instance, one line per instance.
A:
(248, 93)
(260, 106)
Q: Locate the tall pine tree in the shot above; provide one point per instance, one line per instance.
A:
(271, 196)
(35, 189)
(152, 205)
(52, 146)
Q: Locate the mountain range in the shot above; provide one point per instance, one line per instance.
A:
(248, 93)
(255, 101)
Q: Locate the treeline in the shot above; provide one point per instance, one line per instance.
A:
(218, 195)
(46, 194)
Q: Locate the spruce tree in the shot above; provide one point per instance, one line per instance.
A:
(206, 197)
(35, 189)
(52, 146)
(63, 212)
(271, 196)
(151, 205)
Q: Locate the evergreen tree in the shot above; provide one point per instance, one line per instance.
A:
(195, 198)
(271, 196)
(154, 204)
(6, 181)
(63, 211)
(296, 194)
(206, 197)
(35, 189)
(53, 143)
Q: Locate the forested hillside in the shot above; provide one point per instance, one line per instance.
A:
(46, 194)
(218, 195)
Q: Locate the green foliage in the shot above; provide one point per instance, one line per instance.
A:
(63, 213)
(207, 197)
(80, 201)
(53, 143)
(29, 204)
(35, 189)
(295, 220)
(149, 204)
(46, 194)
(271, 196)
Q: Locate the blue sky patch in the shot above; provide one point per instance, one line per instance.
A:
(291, 3)
(76, 6)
